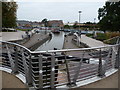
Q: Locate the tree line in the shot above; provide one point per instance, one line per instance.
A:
(109, 17)
(9, 16)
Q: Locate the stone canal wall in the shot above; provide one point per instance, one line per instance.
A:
(40, 42)
(36, 40)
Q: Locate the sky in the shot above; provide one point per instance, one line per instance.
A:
(66, 10)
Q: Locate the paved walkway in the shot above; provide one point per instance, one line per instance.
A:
(68, 44)
(90, 42)
(11, 81)
(14, 36)
(11, 36)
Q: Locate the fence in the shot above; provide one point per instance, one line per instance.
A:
(53, 68)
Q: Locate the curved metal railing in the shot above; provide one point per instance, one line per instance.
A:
(53, 68)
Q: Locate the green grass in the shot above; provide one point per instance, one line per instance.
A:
(89, 35)
(106, 37)
(101, 36)
(24, 29)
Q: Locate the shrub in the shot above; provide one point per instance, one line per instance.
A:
(89, 35)
(101, 36)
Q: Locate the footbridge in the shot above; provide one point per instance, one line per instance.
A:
(56, 69)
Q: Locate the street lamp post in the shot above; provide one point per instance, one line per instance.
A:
(79, 22)
(94, 28)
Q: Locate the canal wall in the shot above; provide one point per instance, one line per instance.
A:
(36, 40)
(32, 42)
(21, 41)
(35, 46)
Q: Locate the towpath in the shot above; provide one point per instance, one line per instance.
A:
(90, 42)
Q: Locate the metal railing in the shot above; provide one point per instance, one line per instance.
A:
(53, 68)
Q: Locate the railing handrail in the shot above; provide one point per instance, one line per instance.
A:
(36, 64)
(111, 38)
(17, 45)
(62, 50)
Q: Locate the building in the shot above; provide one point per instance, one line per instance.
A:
(56, 24)
(37, 24)
(23, 23)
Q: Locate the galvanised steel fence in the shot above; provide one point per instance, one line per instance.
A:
(53, 68)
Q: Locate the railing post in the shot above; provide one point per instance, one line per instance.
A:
(52, 71)
(101, 67)
(78, 70)
(107, 59)
(30, 81)
(12, 64)
(16, 60)
(40, 72)
(68, 73)
(117, 61)
(25, 65)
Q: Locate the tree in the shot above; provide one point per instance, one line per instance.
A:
(109, 16)
(67, 26)
(9, 16)
(75, 25)
(45, 22)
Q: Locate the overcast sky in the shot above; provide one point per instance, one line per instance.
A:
(66, 10)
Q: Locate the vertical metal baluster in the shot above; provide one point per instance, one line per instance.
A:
(101, 71)
(52, 71)
(10, 59)
(16, 59)
(40, 72)
(113, 57)
(30, 81)
(67, 70)
(107, 58)
(117, 62)
(118, 40)
(78, 69)
(25, 65)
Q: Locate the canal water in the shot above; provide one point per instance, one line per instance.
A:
(56, 41)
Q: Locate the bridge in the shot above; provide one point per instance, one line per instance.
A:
(58, 69)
